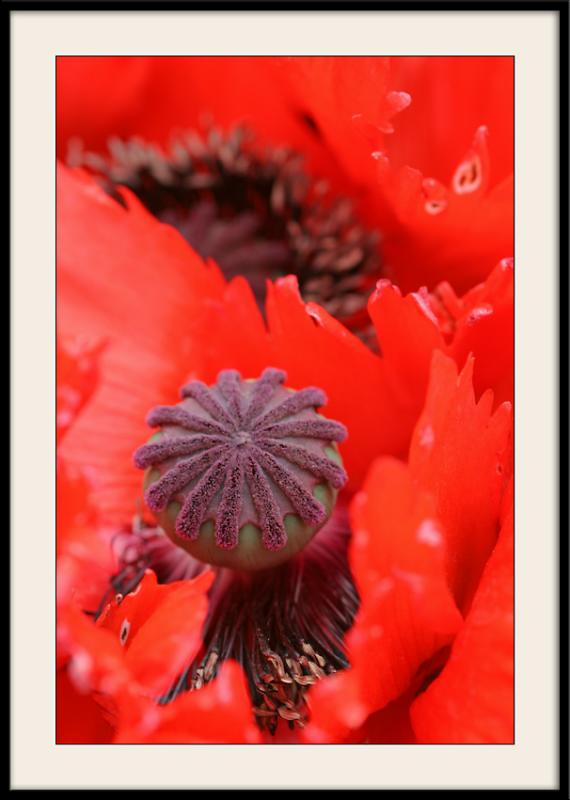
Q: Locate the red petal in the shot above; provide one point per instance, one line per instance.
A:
(459, 243)
(159, 627)
(84, 557)
(73, 501)
(99, 97)
(79, 720)
(158, 98)
(408, 333)
(471, 701)
(452, 97)
(443, 200)
(219, 713)
(479, 323)
(124, 276)
(84, 566)
(317, 350)
(443, 230)
(184, 322)
(459, 453)
(406, 613)
(136, 607)
(169, 638)
(435, 224)
(391, 725)
(486, 329)
(77, 374)
(350, 101)
(166, 622)
(96, 657)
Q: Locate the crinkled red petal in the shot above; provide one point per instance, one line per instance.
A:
(486, 329)
(407, 612)
(459, 453)
(179, 320)
(74, 508)
(408, 333)
(159, 627)
(472, 700)
(315, 349)
(480, 323)
(219, 713)
(166, 621)
(125, 277)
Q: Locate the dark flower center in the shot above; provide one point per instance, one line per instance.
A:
(244, 475)
(256, 214)
(285, 626)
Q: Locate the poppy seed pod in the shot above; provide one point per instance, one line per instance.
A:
(243, 474)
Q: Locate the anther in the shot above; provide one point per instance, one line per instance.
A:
(255, 213)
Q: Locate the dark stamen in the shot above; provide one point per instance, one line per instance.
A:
(286, 627)
(255, 213)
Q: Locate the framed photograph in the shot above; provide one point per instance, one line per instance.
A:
(287, 280)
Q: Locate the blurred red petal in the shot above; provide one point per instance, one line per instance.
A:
(459, 454)
(73, 501)
(391, 725)
(98, 97)
(471, 701)
(453, 237)
(219, 713)
(79, 720)
(84, 556)
(349, 99)
(77, 375)
(84, 564)
(159, 98)
(96, 657)
(407, 612)
(124, 276)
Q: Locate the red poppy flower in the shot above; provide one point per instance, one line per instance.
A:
(400, 599)
(440, 201)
